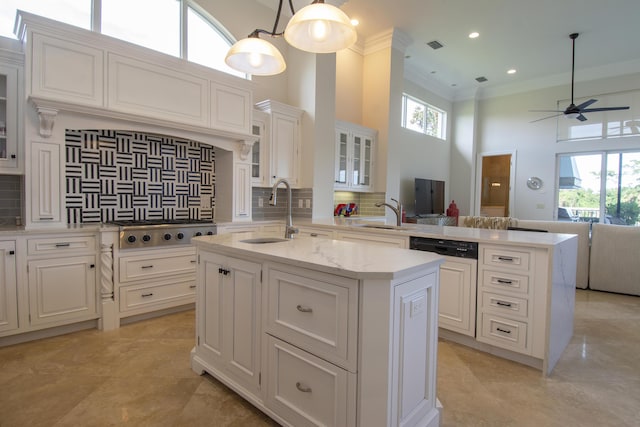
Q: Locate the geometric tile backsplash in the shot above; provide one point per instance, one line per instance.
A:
(120, 175)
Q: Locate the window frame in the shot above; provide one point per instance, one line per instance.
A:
(440, 130)
(95, 25)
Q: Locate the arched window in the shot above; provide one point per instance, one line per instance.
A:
(176, 27)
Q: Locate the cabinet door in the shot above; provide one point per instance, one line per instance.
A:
(229, 315)
(62, 290)
(457, 299)
(259, 158)
(8, 117)
(342, 161)
(8, 294)
(285, 146)
(45, 186)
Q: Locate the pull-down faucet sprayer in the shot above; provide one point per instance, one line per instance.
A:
(289, 230)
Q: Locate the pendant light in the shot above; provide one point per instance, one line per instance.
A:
(320, 28)
(317, 28)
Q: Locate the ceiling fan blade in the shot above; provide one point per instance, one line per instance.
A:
(581, 118)
(546, 111)
(591, 110)
(548, 117)
(586, 104)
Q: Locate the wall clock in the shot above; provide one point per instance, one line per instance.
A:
(534, 183)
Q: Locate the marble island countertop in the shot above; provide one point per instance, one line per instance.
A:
(481, 235)
(348, 259)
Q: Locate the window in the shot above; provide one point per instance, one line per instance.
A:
(421, 117)
(600, 187)
(206, 41)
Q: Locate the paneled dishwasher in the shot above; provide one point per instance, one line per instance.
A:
(458, 279)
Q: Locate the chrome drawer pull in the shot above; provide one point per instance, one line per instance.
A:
(505, 281)
(506, 258)
(46, 218)
(313, 234)
(63, 245)
(150, 294)
(503, 330)
(147, 266)
(303, 388)
(193, 261)
(303, 309)
(192, 287)
(504, 304)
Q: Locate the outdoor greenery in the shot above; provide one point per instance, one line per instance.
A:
(629, 209)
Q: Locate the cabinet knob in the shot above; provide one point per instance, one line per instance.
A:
(13, 156)
(12, 252)
(92, 266)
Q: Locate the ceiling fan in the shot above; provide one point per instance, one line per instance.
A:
(573, 110)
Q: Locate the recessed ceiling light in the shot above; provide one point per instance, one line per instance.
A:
(474, 35)
(511, 71)
(355, 22)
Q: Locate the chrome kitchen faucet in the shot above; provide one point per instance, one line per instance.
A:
(289, 230)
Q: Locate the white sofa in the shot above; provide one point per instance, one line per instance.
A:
(615, 259)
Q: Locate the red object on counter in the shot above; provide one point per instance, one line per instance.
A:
(453, 210)
(404, 215)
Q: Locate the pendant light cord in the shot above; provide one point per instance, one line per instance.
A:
(275, 24)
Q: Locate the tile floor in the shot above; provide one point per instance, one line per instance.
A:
(139, 375)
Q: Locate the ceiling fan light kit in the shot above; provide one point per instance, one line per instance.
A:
(316, 28)
(574, 111)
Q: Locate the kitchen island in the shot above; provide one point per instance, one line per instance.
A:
(319, 331)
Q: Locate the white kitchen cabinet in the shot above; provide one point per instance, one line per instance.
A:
(307, 390)
(505, 305)
(337, 346)
(61, 279)
(260, 151)
(8, 287)
(284, 141)
(9, 118)
(45, 183)
(229, 326)
(155, 279)
(62, 290)
(457, 301)
(376, 239)
(316, 232)
(355, 146)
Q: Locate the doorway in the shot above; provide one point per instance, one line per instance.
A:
(495, 184)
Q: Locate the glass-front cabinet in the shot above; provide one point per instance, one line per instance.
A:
(8, 118)
(354, 157)
(259, 129)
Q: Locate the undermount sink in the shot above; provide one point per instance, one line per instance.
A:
(262, 240)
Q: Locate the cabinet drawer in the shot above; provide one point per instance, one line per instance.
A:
(306, 390)
(160, 265)
(61, 245)
(502, 332)
(316, 232)
(506, 305)
(502, 281)
(506, 258)
(314, 311)
(138, 297)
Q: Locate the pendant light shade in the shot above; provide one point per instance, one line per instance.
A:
(255, 56)
(320, 28)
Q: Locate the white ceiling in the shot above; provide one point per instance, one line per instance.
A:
(531, 36)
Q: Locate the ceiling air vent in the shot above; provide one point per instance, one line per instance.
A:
(435, 44)
(481, 79)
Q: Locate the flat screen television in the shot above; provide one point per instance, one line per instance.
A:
(429, 197)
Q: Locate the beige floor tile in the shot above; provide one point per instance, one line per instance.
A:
(140, 375)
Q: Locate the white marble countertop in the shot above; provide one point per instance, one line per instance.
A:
(13, 230)
(348, 259)
(480, 235)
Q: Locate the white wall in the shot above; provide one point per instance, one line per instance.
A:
(504, 125)
(349, 69)
(463, 154)
(422, 156)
